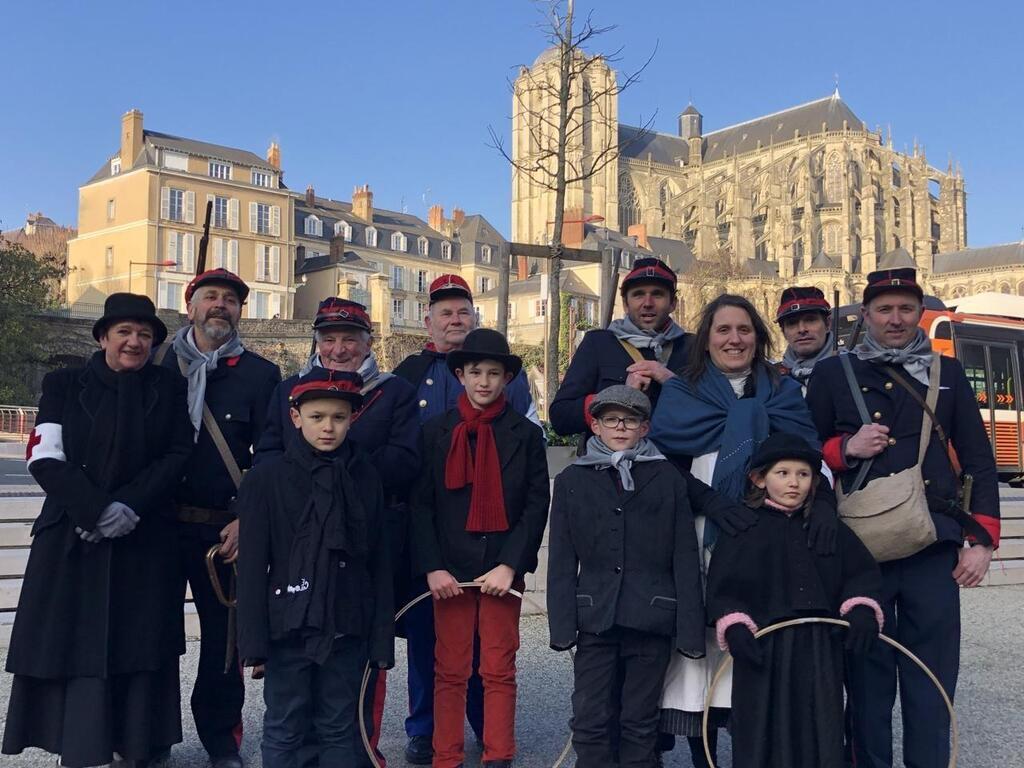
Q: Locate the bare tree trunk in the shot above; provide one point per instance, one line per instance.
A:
(554, 308)
(505, 265)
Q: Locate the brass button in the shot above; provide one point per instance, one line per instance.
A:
(423, 403)
(430, 382)
(892, 441)
(892, 474)
(863, 389)
(227, 416)
(927, 482)
(877, 415)
(888, 385)
(277, 591)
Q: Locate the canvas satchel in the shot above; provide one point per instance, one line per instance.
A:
(890, 514)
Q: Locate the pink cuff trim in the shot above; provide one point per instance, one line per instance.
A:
(853, 602)
(727, 621)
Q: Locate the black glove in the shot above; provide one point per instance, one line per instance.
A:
(743, 645)
(730, 518)
(823, 527)
(863, 629)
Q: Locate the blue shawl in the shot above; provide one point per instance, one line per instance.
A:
(695, 419)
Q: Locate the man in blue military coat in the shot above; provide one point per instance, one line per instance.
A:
(449, 321)
(631, 351)
(236, 385)
(921, 593)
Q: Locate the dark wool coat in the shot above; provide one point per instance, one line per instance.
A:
(627, 558)
(238, 393)
(789, 711)
(439, 537)
(96, 610)
(835, 415)
(385, 428)
(599, 363)
(273, 497)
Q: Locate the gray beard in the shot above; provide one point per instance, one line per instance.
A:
(217, 331)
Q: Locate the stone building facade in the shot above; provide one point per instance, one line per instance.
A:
(810, 194)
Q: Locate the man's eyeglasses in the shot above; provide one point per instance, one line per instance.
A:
(612, 422)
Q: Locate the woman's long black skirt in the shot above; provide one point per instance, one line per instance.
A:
(86, 719)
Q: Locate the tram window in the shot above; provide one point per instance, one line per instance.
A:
(1003, 384)
(973, 361)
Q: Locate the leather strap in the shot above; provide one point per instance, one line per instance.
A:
(862, 410)
(633, 352)
(208, 421)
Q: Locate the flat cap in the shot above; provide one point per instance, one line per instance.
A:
(621, 396)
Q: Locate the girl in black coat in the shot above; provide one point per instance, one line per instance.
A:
(787, 709)
(99, 628)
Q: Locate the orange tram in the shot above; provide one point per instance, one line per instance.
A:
(990, 346)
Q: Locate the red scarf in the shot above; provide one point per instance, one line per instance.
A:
(487, 503)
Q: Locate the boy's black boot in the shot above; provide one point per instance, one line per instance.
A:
(419, 751)
(497, 764)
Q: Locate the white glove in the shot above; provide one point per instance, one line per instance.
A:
(116, 520)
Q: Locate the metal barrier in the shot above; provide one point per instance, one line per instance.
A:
(17, 420)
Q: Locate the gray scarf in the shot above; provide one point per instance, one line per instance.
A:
(369, 371)
(800, 368)
(198, 365)
(626, 330)
(916, 357)
(601, 456)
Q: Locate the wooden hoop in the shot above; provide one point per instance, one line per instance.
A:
(727, 661)
(404, 610)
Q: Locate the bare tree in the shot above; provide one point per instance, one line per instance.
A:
(562, 147)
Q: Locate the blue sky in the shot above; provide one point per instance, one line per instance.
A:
(400, 94)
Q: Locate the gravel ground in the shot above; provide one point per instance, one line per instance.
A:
(990, 697)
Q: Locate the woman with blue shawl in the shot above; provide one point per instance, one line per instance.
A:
(714, 416)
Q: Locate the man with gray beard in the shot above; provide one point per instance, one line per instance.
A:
(236, 386)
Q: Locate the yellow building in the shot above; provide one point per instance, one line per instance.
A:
(140, 221)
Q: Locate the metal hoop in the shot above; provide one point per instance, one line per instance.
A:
(218, 587)
(727, 661)
(404, 610)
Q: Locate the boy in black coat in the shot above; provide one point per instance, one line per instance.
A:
(787, 697)
(478, 514)
(315, 596)
(623, 579)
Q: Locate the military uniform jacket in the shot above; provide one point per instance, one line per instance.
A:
(601, 362)
(271, 502)
(627, 558)
(439, 537)
(238, 392)
(385, 428)
(836, 417)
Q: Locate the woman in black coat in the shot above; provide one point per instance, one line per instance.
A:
(99, 628)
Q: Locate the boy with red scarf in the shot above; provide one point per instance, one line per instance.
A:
(478, 514)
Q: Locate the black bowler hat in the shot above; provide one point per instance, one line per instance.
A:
(130, 306)
(321, 384)
(219, 276)
(799, 299)
(887, 280)
(485, 344)
(782, 446)
(341, 313)
(650, 270)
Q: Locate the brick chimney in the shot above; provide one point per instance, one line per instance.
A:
(572, 228)
(362, 203)
(522, 268)
(310, 196)
(131, 138)
(435, 217)
(274, 155)
(639, 231)
(458, 217)
(338, 248)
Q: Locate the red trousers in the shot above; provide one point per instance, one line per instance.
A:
(456, 621)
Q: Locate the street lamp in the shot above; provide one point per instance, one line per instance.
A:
(164, 263)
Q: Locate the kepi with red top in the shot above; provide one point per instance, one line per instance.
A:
(889, 280)
(650, 270)
(800, 299)
(341, 313)
(320, 384)
(219, 276)
(449, 287)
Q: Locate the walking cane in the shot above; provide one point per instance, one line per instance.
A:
(229, 600)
